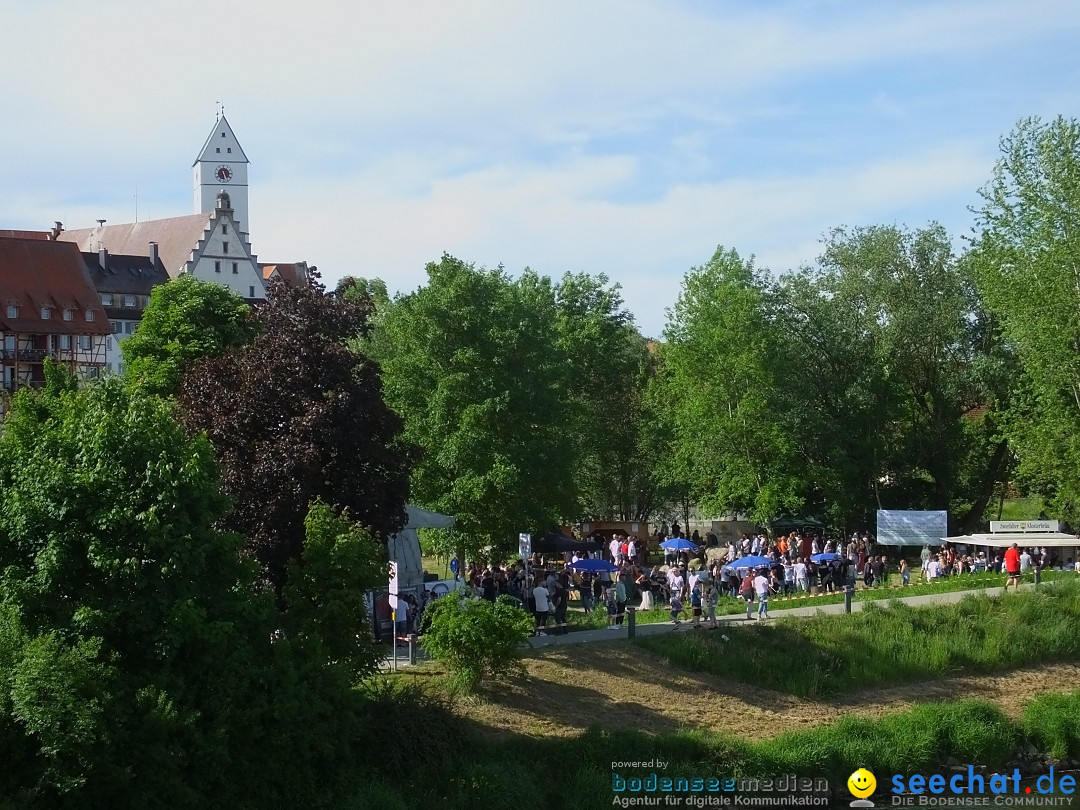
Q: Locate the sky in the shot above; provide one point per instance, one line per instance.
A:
(624, 137)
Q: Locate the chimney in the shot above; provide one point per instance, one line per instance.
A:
(103, 258)
(57, 229)
(153, 254)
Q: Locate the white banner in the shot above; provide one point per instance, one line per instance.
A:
(909, 528)
(1024, 526)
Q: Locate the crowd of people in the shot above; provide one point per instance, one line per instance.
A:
(690, 583)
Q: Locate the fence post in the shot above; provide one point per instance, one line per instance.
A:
(631, 622)
(848, 591)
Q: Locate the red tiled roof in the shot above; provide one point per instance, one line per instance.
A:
(176, 237)
(37, 273)
(289, 273)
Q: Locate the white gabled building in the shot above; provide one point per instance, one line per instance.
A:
(212, 244)
(207, 246)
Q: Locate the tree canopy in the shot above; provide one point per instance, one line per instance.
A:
(297, 416)
(185, 321)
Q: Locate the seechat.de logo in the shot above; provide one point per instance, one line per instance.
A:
(861, 784)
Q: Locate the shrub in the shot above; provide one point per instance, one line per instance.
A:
(476, 638)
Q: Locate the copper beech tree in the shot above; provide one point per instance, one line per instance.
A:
(296, 416)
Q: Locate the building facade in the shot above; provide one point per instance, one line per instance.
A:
(49, 309)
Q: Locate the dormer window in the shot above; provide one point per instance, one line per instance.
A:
(69, 314)
(46, 313)
(106, 299)
(89, 314)
(12, 311)
(129, 300)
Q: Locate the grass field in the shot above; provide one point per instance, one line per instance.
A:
(814, 656)
(893, 689)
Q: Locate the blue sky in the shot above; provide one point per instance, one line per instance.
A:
(611, 136)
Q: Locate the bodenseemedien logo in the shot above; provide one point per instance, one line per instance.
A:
(861, 784)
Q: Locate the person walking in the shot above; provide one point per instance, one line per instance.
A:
(761, 590)
(541, 601)
(645, 586)
(1012, 568)
(746, 591)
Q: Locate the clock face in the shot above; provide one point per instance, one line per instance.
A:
(223, 174)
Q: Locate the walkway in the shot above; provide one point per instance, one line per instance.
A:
(605, 634)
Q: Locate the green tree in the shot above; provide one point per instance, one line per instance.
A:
(900, 406)
(471, 363)
(325, 596)
(721, 385)
(608, 369)
(185, 321)
(1027, 256)
(124, 626)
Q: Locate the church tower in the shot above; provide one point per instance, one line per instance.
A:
(222, 166)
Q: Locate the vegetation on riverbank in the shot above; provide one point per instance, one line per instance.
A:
(880, 646)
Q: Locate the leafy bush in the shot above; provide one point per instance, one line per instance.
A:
(476, 638)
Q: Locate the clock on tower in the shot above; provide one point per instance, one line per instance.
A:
(222, 163)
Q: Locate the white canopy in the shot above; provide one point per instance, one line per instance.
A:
(404, 547)
(1022, 539)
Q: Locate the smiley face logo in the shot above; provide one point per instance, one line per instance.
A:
(861, 783)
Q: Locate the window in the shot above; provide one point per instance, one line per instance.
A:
(229, 150)
(89, 314)
(12, 311)
(69, 314)
(222, 134)
(235, 269)
(106, 299)
(218, 150)
(217, 267)
(225, 230)
(65, 342)
(9, 343)
(129, 327)
(45, 313)
(225, 247)
(118, 327)
(129, 300)
(86, 343)
(108, 344)
(251, 292)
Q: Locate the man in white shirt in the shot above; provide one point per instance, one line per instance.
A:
(541, 607)
(676, 581)
(1025, 562)
(615, 548)
(631, 550)
(801, 582)
(933, 569)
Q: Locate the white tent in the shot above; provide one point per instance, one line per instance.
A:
(404, 547)
(1022, 539)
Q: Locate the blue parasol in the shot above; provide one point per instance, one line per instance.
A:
(593, 565)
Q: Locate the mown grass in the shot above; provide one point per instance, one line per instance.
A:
(576, 773)
(812, 657)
